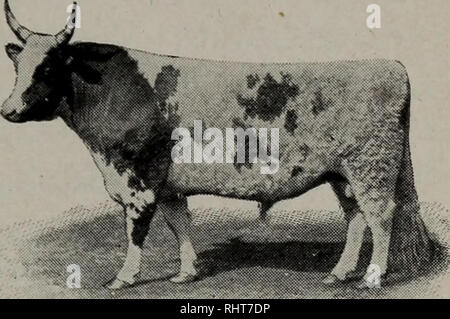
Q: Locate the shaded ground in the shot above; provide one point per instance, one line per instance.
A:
(290, 262)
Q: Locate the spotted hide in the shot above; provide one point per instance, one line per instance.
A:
(343, 123)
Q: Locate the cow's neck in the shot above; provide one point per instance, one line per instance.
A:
(119, 117)
(121, 101)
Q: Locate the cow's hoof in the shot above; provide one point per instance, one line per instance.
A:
(351, 276)
(365, 284)
(183, 277)
(117, 284)
(332, 280)
(362, 284)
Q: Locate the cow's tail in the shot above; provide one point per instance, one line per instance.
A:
(411, 248)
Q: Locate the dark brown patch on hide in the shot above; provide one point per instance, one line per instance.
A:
(271, 100)
(166, 83)
(320, 103)
(297, 170)
(252, 80)
(304, 151)
(141, 225)
(121, 117)
(138, 152)
(290, 123)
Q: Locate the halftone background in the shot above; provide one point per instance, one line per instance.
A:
(45, 169)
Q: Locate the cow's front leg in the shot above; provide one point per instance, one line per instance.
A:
(178, 218)
(137, 224)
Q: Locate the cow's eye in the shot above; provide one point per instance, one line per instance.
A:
(47, 70)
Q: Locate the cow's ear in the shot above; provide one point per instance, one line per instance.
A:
(13, 50)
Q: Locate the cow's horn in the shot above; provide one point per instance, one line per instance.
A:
(20, 31)
(65, 35)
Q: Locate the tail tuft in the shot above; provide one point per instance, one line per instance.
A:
(411, 248)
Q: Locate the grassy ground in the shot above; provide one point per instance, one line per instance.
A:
(288, 262)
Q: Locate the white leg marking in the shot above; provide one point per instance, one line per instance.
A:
(379, 218)
(131, 267)
(350, 256)
(177, 217)
(380, 223)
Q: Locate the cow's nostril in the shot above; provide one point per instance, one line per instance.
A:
(8, 114)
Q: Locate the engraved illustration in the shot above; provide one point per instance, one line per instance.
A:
(163, 128)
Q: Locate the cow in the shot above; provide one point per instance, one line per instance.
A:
(344, 123)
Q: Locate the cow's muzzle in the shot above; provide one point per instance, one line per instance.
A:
(10, 114)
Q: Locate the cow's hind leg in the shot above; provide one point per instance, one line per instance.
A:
(379, 216)
(374, 194)
(137, 224)
(178, 218)
(355, 234)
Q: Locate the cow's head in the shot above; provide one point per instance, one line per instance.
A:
(42, 71)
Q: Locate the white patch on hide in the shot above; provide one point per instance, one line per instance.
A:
(117, 185)
(149, 71)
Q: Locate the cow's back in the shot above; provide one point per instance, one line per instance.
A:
(218, 91)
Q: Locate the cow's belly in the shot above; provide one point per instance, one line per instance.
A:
(243, 183)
